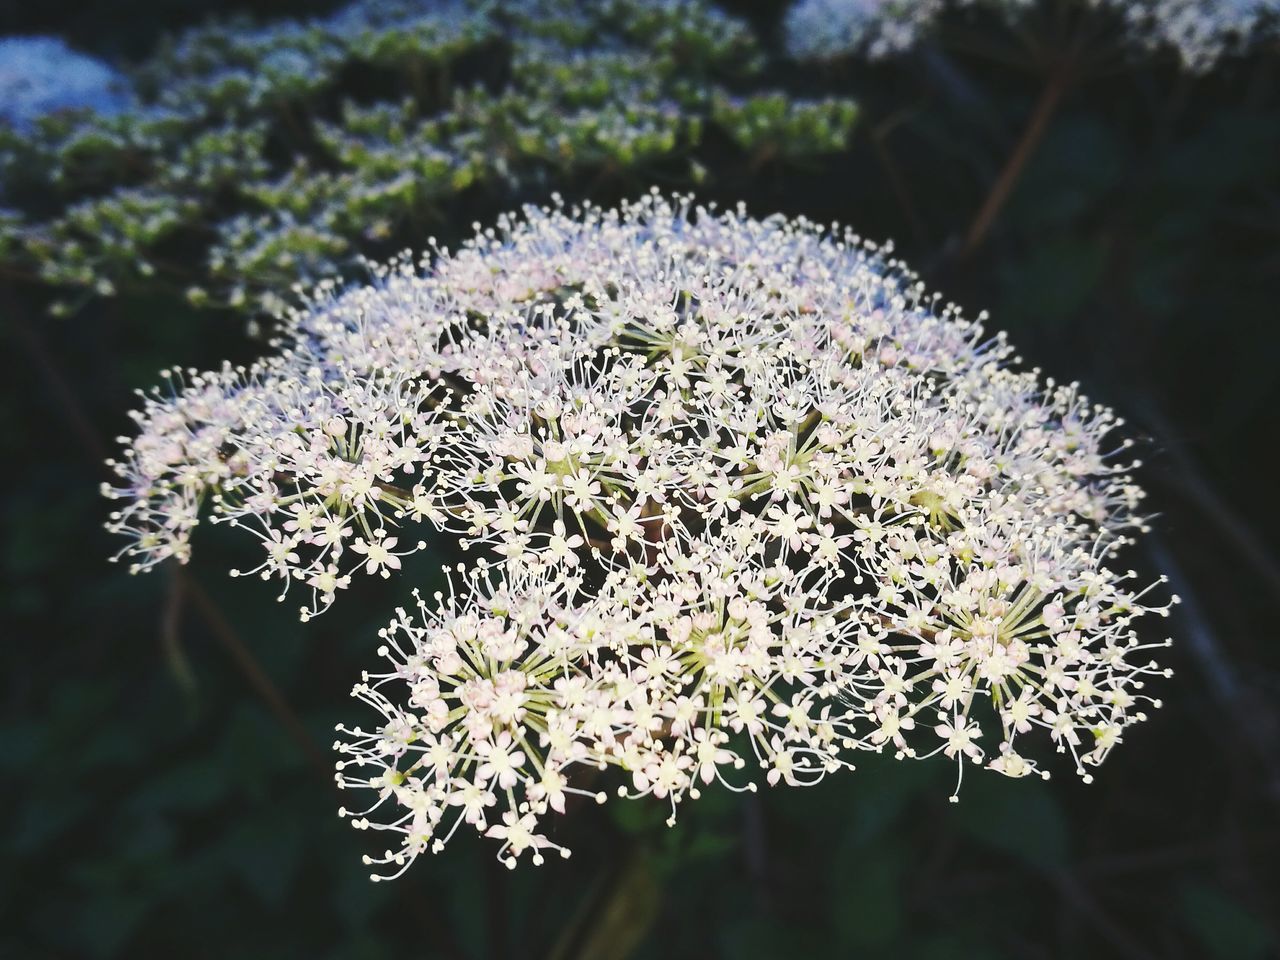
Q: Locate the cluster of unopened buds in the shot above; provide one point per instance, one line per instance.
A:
(738, 494)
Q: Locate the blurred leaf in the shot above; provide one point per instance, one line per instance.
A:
(1233, 146)
(866, 894)
(191, 785)
(1051, 283)
(710, 845)
(468, 907)
(264, 852)
(639, 817)
(1226, 929)
(19, 744)
(957, 945)
(878, 811)
(1080, 159)
(753, 935)
(1019, 817)
(40, 823)
(107, 920)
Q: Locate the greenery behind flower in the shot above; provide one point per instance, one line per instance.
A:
(259, 157)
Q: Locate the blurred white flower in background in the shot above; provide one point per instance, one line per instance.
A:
(1199, 32)
(39, 75)
(827, 29)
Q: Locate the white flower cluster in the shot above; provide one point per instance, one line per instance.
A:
(42, 74)
(828, 29)
(504, 691)
(741, 495)
(875, 29)
(1200, 32)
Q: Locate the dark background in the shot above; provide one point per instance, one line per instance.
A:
(155, 804)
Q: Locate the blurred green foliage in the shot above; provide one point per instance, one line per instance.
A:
(155, 806)
(258, 157)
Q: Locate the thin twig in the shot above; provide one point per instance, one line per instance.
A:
(253, 673)
(621, 914)
(171, 636)
(1055, 89)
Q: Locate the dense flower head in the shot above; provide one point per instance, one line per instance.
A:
(503, 697)
(738, 492)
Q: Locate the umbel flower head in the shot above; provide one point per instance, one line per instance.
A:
(499, 699)
(739, 494)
